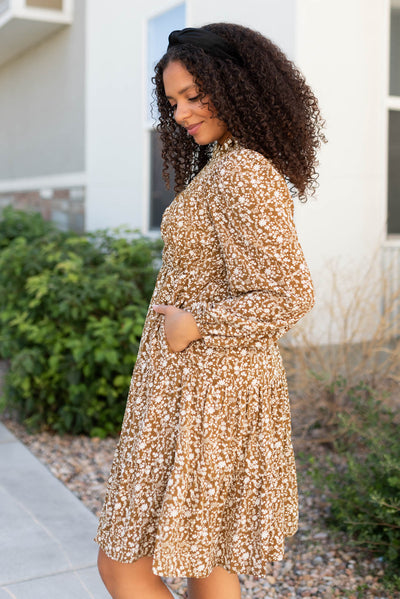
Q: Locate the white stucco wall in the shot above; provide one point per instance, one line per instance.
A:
(114, 140)
(274, 18)
(42, 107)
(341, 47)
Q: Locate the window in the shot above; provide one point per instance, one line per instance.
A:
(160, 196)
(395, 50)
(159, 28)
(393, 221)
(394, 173)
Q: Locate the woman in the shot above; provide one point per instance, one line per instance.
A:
(203, 483)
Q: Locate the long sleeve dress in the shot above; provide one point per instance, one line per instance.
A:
(204, 473)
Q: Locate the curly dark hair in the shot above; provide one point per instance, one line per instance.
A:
(265, 103)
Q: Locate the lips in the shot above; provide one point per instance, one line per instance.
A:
(192, 130)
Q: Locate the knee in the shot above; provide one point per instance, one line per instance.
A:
(133, 580)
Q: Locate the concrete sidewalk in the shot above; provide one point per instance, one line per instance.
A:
(46, 533)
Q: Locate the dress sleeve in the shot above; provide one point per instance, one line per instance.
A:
(269, 281)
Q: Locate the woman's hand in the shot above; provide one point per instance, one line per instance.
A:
(179, 325)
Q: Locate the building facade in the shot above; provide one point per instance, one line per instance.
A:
(77, 138)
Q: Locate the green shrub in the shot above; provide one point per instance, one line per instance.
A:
(72, 311)
(16, 223)
(363, 478)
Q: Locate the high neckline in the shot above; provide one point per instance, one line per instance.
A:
(227, 135)
(221, 148)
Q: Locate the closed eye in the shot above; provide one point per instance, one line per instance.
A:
(194, 99)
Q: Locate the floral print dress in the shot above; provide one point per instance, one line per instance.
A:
(204, 473)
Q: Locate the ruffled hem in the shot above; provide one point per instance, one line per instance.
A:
(167, 565)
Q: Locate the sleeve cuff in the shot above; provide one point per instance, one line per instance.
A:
(198, 311)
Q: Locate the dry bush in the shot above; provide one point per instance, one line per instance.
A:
(360, 329)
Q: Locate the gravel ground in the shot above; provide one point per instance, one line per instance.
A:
(318, 563)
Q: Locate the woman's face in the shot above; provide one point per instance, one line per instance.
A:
(194, 115)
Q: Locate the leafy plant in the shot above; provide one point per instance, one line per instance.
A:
(72, 312)
(16, 223)
(363, 478)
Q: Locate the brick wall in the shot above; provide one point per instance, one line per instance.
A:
(64, 206)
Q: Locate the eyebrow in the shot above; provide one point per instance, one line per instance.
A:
(185, 89)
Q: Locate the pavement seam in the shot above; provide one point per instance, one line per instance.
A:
(44, 576)
(6, 441)
(9, 592)
(54, 538)
(84, 585)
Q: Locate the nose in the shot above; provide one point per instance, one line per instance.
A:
(182, 112)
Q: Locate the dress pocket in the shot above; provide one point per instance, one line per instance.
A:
(163, 337)
(195, 347)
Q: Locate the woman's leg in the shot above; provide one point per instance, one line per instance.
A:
(131, 581)
(219, 585)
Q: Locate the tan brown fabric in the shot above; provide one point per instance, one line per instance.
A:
(204, 473)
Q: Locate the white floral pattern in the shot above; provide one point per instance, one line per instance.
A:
(204, 472)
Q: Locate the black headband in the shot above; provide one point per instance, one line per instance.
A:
(207, 40)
